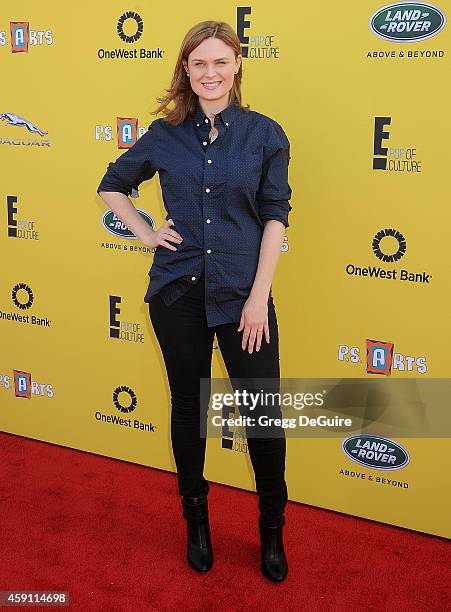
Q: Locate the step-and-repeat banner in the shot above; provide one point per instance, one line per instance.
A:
(362, 288)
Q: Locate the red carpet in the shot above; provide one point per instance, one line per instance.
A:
(111, 534)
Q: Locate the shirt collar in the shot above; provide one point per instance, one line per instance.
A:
(227, 115)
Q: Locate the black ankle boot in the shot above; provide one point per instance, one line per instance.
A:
(199, 549)
(273, 560)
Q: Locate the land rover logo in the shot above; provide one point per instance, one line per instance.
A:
(116, 227)
(375, 452)
(407, 21)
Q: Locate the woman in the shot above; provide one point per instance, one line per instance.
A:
(223, 172)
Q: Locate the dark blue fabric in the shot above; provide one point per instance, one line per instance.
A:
(218, 194)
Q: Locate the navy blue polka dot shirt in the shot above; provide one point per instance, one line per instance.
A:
(219, 194)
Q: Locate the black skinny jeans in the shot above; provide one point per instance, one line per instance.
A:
(186, 344)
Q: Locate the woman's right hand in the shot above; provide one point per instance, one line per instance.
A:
(160, 237)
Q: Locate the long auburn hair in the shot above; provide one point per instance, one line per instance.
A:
(180, 92)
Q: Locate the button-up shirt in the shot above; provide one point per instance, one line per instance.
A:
(219, 194)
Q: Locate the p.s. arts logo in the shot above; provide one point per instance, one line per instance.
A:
(23, 298)
(130, 29)
(389, 246)
(18, 138)
(395, 158)
(125, 400)
(382, 359)
(375, 452)
(127, 331)
(407, 21)
(17, 227)
(24, 386)
(22, 37)
(258, 46)
(126, 135)
(126, 132)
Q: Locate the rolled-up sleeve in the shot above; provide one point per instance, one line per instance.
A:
(274, 190)
(132, 167)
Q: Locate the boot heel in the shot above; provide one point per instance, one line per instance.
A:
(273, 560)
(199, 550)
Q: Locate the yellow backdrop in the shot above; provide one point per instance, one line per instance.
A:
(363, 93)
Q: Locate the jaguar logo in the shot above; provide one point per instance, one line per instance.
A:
(12, 119)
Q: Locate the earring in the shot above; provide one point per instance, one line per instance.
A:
(187, 74)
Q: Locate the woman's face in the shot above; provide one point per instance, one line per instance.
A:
(212, 67)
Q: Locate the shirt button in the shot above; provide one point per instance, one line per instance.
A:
(208, 220)
(193, 278)
(207, 190)
(206, 120)
(208, 250)
(209, 161)
(204, 143)
(227, 123)
(197, 124)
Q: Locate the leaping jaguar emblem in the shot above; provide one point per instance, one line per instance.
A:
(11, 119)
